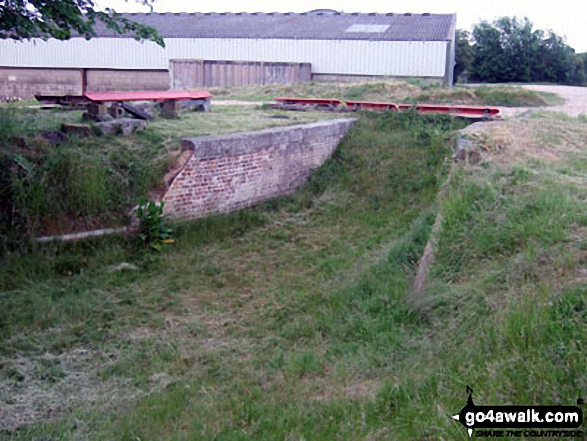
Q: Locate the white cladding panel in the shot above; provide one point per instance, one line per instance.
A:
(360, 57)
(357, 57)
(78, 52)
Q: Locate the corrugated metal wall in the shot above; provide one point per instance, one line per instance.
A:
(393, 58)
(116, 53)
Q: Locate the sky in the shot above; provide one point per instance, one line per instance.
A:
(564, 17)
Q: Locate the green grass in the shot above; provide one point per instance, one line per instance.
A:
(511, 97)
(507, 299)
(90, 183)
(388, 90)
(285, 303)
(292, 320)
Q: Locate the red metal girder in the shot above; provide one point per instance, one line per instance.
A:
(457, 110)
(147, 95)
(474, 110)
(332, 102)
(371, 105)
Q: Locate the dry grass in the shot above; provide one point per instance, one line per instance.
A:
(538, 139)
(33, 389)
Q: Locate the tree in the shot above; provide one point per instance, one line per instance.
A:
(580, 69)
(520, 46)
(510, 50)
(62, 19)
(488, 53)
(464, 53)
(556, 62)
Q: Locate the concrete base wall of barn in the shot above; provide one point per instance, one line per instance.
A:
(26, 82)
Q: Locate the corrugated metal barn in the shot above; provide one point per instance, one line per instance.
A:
(275, 48)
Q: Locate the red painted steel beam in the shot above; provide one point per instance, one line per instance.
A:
(332, 102)
(146, 96)
(456, 110)
(373, 105)
(370, 105)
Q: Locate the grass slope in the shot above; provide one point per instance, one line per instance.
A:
(295, 320)
(283, 320)
(89, 183)
(422, 92)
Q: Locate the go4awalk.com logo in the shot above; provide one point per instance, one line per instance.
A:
(521, 421)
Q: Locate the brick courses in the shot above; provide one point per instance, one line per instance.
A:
(231, 172)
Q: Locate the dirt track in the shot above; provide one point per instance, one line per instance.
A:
(575, 97)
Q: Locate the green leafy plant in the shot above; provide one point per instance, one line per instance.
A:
(153, 231)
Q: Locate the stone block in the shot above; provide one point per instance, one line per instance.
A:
(116, 111)
(122, 126)
(97, 109)
(96, 118)
(171, 109)
(196, 105)
(76, 129)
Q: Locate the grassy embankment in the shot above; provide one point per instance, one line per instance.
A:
(396, 91)
(88, 183)
(289, 307)
(295, 320)
(92, 183)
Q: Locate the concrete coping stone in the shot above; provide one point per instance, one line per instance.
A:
(225, 145)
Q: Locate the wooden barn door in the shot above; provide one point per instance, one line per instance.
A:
(187, 74)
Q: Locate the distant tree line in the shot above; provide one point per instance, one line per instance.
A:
(510, 50)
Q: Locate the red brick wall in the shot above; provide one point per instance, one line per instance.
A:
(230, 172)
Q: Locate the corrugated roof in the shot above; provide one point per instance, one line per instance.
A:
(315, 25)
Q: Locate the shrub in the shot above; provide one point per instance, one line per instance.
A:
(153, 231)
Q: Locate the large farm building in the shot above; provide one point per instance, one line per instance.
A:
(216, 49)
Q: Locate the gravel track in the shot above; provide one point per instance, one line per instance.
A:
(575, 97)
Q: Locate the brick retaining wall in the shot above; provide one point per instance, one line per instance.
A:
(227, 173)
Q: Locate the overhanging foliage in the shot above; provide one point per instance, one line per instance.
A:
(63, 19)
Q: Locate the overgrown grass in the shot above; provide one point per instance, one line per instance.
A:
(507, 303)
(396, 91)
(295, 301)
(291, 320)
(87, 183)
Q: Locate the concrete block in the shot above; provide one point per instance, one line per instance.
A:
(171, 109)
(116, 111)
(123, 126)
(97, 109)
